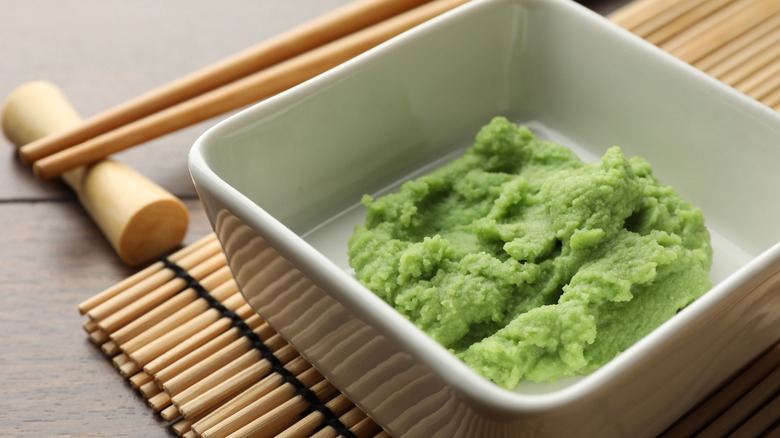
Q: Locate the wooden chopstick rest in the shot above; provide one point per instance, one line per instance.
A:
(140, 219)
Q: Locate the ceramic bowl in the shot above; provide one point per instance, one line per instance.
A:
(281, 184)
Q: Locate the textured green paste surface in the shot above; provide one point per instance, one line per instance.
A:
(526, 262)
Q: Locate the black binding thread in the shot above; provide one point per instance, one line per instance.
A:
(315, 404)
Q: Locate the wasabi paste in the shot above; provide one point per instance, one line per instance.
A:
(526, 262)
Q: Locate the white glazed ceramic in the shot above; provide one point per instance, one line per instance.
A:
(281, 183)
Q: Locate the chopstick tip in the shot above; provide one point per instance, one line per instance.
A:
(43, 171)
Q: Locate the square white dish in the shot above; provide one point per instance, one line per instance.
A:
(281, 183)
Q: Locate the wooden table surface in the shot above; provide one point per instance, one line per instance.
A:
(52, 257)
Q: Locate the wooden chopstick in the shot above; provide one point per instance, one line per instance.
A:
(239, 93)
(320, 31)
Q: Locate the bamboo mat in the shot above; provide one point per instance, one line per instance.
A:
(182, 335)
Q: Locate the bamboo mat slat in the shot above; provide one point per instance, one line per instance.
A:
(182, 335)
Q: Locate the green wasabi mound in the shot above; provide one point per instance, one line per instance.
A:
(529, 264)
